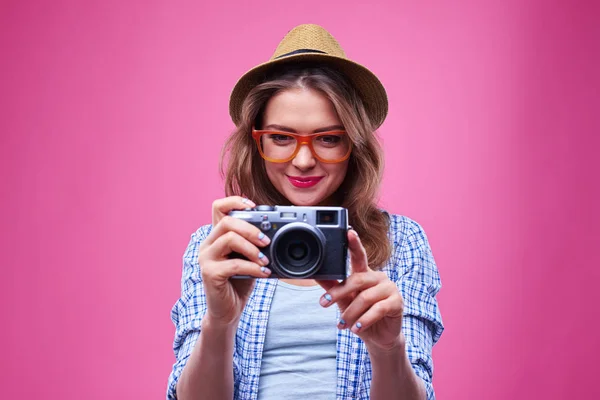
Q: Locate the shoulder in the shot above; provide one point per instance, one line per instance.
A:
(411, 252)
(405, 231)
(202, 232)
(196, 239)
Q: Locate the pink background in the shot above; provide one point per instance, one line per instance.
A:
(112, 116)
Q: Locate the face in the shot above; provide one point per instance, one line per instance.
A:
(304, 181)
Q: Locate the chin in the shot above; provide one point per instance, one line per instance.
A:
(306, 200)
(303, 202)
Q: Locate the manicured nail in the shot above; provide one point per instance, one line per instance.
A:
(265, 270)
(342, 323)
(357, 327)
(249, 202)
(263, 259)
(264, 238)
(355, 233)
(325, 299)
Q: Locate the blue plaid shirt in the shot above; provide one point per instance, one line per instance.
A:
(411, 267)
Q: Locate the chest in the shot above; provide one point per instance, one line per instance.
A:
(296, 321)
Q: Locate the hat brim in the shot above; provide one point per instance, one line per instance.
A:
(364, 81)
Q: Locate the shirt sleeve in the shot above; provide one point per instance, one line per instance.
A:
(188, 311)
(419, 282)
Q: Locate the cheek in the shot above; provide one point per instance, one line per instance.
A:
(338, 171)
(274, 171)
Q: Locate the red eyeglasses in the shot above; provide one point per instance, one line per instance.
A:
(280, 147)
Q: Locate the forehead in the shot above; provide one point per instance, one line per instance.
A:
(300, 109)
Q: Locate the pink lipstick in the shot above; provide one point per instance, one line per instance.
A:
(304, 181)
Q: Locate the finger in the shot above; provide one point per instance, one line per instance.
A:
(223, 270)
(343, 293)
(390, 307)
(241, 227)
(358, 255)
(222, 207)
(327, 284)
(363, 302)
(232, 242)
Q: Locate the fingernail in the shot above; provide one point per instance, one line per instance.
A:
(341, 323)
(265, 270)
(325, 299)
(263, 259)
(355, 233)
(248, 201)
(264, 238)
(357, 326)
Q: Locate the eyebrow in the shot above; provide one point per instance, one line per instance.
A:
(287, 129)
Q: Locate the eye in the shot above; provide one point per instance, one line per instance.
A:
(280, 138)
(329, 139)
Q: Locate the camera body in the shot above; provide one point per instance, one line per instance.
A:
(306, 242)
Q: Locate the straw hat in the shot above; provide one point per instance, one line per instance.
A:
(313, 43)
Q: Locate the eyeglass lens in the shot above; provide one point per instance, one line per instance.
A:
(279, 146)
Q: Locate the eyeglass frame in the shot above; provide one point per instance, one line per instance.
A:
(300, 140)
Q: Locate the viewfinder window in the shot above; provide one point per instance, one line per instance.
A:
(327, 218)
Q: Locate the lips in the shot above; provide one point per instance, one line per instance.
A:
(304, 181)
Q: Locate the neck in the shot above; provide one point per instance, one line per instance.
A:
(300, 282)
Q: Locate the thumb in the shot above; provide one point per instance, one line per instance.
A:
(358, 254)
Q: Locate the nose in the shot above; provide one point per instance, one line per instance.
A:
(304, 159)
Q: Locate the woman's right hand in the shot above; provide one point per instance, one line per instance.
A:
(225, 297)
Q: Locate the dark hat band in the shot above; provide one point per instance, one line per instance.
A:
(299, 51)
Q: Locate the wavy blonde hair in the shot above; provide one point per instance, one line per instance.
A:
(243, 169)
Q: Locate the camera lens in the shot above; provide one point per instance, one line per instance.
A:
(297, 250)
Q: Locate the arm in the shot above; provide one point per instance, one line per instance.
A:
(406, 370)
(204, 350)
(418, 281)
(393, 375)
(395, 314)
(188, 316)
(209, 370)
(207, 314)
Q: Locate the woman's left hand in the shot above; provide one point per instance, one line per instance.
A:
(370, 304)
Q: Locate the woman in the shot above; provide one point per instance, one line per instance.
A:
(305, 124)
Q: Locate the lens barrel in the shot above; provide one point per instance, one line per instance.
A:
(297, 250)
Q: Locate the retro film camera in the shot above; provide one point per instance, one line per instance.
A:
(306, 242)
